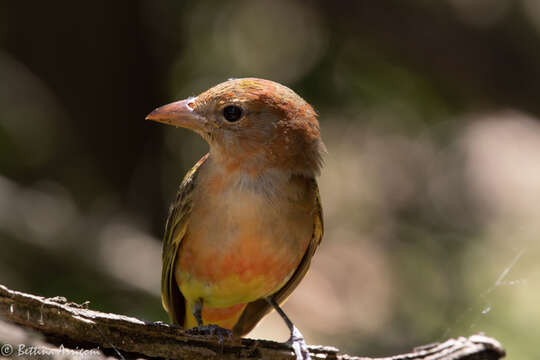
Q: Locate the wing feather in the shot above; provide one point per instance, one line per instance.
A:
(175, 230)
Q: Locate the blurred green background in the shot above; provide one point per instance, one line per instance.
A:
(430, 111)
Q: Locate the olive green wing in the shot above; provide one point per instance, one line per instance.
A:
(175, 230)
(256, 310)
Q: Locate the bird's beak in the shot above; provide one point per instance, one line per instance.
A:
(179, 113)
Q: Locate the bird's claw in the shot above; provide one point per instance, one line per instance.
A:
(211, 330)
(299, 345)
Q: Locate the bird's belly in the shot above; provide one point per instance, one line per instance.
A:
(230, 287)
(245, 271)
(241, 252)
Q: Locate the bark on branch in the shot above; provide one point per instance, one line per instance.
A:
(71, 325)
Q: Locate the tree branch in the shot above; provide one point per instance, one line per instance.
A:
(69, 324)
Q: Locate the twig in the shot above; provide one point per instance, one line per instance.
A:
(66, 323)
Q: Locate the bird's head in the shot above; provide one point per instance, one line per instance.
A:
(252, 124)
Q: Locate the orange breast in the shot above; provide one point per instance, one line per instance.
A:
(249, 256)
(240, 246)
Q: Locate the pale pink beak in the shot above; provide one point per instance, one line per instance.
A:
(179, 113)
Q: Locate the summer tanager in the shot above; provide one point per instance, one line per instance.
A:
(247, 217)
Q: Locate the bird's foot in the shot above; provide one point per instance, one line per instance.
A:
(211, 330)
(299, 345)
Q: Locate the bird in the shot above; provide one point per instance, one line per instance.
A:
(247, 218)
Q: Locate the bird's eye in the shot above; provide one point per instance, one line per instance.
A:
(232, 113)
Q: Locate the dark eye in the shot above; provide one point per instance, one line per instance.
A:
(232, 113)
